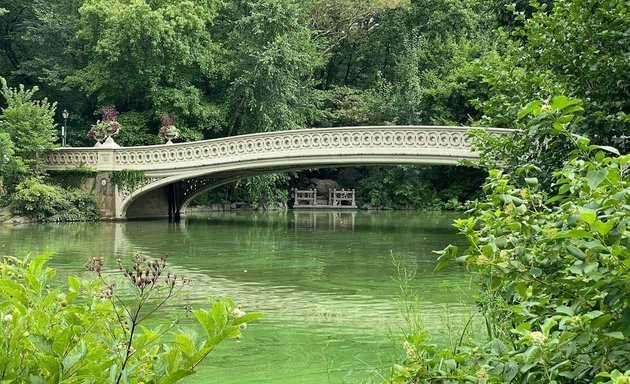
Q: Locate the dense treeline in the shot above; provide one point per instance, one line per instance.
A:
(228, 68)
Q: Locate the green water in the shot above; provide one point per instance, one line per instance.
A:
(326, 281)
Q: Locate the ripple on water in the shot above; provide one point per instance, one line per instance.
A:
(326, 281)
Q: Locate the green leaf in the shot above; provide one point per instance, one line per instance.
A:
(564, 188)
(573, 234)
(615, 335)
(602, 320)
(185, 343)
(74, 284)
(447, 255)
(587, 215)
(219, 313)
(113, 371)
(603, 228)
(206, 321)
(535, 271)
(609, 149)
(532, 106)
(548, 324)
(487, 250)
(248, 318)
(595, 177)
(565, 310)
(521, 290)
(561, 102)
(531, 181)
(575, 251)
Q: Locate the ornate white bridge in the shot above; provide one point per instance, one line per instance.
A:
(176, 173)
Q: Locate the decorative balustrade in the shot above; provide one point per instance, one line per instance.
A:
(264, 145)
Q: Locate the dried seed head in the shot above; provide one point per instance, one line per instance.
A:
(95, 264)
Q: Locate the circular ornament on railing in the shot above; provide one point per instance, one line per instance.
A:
(444, 140)
(432, 139)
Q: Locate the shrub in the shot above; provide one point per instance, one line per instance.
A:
(553, 265)
(96, 331)
(52, 203)
(399, 187)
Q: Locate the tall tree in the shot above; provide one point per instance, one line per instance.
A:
(579, 47)
(274, 58)
(27, 130)
(38, 46)
(416, 67)
(153, 55)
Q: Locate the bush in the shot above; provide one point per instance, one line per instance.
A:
(28, 131)
(51, 203)
(398, 188)
(95, 331)
(553, 266)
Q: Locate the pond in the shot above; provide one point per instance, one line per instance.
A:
(326, 280)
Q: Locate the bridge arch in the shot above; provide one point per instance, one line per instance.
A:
(176, 173)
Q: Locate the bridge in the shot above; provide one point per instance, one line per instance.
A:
(176, 173)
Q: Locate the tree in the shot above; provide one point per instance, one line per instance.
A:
(274, 58)
(575, 47)
(153, 55)
(39, 46)
(27, 130)
(415, 66)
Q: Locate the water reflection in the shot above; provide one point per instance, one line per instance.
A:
(329, 220)
(325, 279)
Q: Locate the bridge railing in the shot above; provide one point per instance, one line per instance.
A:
(303, 142)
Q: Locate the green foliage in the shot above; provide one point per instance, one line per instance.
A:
(573, 47)
(128, 178)
(398, 188)
(265, 189)
(151, 55)
(50, 203)
(544, 142)
(412, 187)
(553, 266)
(6, 153)
(138, 130)
(271, 90)
(27, 131)
(433, 83)
(411, 66)
(88, 331)
(72, 178)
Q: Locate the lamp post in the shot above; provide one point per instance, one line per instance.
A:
(64, 130)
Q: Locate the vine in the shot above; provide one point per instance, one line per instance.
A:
(72, 178)
(128, 178)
